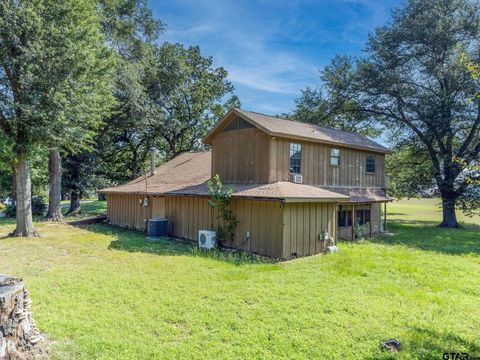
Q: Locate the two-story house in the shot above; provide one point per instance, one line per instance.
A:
(293, 184)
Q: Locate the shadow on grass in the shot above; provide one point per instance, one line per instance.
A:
(87, 210)
(425, 235)
(430, 344)
(135, 241)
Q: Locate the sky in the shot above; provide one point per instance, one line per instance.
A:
(272, 49)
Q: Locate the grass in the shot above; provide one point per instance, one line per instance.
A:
(104, 293)
(92, 208)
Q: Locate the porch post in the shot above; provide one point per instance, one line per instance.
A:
(353, 222)
(385, 217)
(371, 233)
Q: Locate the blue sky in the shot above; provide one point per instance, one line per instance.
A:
(272, 49)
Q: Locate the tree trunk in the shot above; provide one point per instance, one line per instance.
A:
(55, 181)
(19, 337)
(14, 185)
(24, 198)
(74, 203)
(449, 214)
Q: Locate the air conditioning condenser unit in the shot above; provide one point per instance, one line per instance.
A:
(207, 239)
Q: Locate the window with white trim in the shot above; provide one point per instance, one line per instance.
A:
(295, 158)
(335, 157)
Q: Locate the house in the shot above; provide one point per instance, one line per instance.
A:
(292, 183)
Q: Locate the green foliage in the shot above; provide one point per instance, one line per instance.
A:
(62, 39)
(39, 207)
(186, 91)
(10, 211)
(414, 82)
(410, 171)
(332, 105)
(360, 230)
(168, 97)
(220, 200)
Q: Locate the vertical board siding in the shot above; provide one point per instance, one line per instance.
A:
(125, 210)
(241, 156)
(316, 168)
(262, 219)
(302, 225)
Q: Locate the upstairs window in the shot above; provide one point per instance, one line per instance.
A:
(370, 165)
(295, 158)
(335, 157)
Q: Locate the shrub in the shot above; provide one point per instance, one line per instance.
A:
(2, 206)
(10, 211)
(38, 208)
(221, 200)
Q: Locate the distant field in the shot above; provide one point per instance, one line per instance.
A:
(428, 210)
(105, 293)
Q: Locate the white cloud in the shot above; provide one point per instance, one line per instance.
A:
(270, 46)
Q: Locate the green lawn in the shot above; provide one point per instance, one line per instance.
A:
(92, 208)
(105, 293)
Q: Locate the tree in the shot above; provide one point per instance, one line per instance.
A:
(168, 98)
(410, 171)
(78, 178)
(54, 76)
(54, 211)
(126, 24)
(186, 92)
(327, 105)
(413, 82)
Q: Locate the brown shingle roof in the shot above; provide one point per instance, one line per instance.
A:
(360, 195)
(293, 129)
(187, 169)
(279, 190)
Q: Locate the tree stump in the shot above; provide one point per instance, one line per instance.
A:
(19, 337)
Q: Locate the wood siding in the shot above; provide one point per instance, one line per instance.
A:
(303, 223)
(262, 219)
(316, 168)
(275, 230)
(158, 206)
(241, 156)
(126, 210)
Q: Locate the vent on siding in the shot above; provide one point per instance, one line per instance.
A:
(237, 124)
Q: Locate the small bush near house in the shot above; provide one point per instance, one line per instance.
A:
(38, 208)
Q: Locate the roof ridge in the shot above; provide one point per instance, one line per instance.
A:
(308, 124)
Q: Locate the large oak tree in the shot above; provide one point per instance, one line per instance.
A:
(413, 81)
(54, 81)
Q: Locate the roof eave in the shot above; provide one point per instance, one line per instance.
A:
(350, 146)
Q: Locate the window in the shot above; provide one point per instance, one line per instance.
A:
(335, 157)
(345, 218)
(370, 165)
(362, 216)
(295, 158)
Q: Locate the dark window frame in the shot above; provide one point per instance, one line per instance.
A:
(295, 158)
(344, 218)
(370, 164)
(363, 215)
